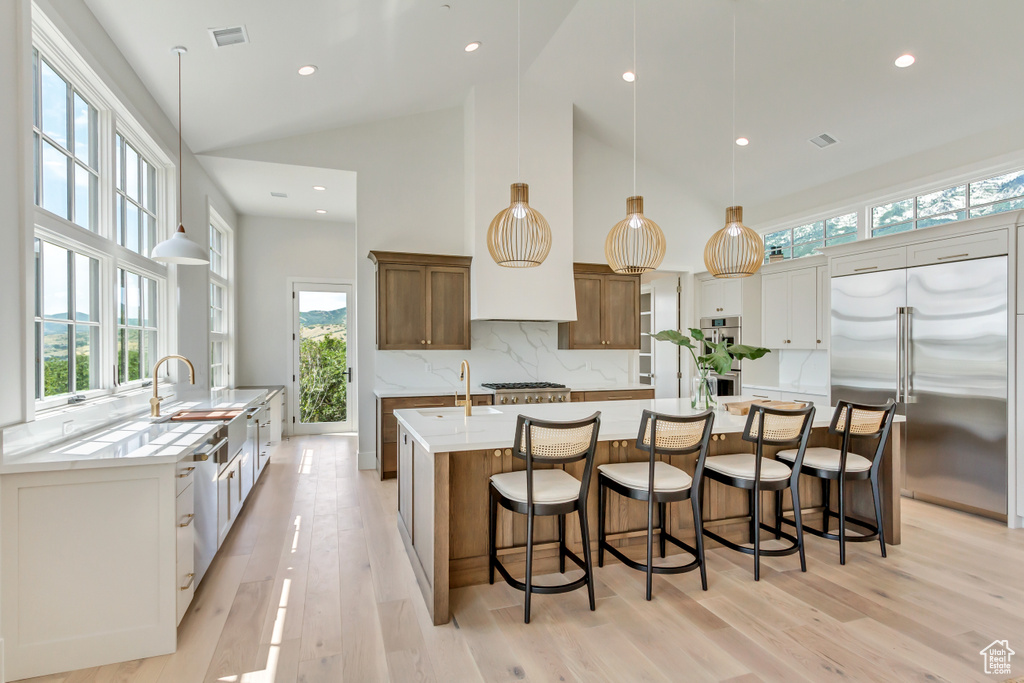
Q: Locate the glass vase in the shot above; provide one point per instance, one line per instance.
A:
(703, 390)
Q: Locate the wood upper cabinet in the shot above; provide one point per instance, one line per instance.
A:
(607, 310)
(422, 301)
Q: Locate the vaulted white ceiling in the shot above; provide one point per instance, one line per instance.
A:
(804, 67)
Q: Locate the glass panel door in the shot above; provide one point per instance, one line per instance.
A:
(322, 374)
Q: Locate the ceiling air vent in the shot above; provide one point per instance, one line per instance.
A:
(824, 140)
(232, 35)
(282, 195)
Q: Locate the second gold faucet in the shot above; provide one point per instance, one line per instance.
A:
(464, 375)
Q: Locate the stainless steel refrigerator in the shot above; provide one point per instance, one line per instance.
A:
(933, 338)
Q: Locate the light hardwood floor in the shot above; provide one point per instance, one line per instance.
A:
(313, 585)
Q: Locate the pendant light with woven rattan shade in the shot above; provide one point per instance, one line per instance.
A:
(735, 250)
(635, 244)
(519, 236)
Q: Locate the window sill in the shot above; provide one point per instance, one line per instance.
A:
(48, 409)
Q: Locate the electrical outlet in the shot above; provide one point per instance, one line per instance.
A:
(69, 426)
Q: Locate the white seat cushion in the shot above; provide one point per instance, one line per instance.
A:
(741, 465)
(636, 475)
(549, 486)
(828, 459)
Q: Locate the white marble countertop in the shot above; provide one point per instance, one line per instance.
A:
(135, 441)
(494, 426)
(790, 388)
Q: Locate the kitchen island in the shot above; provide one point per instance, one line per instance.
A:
(445, 461)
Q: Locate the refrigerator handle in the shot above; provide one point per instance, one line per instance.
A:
(908, 355)
(901, 350)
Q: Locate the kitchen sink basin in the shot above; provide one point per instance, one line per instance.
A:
(458, 412)
(205, 415)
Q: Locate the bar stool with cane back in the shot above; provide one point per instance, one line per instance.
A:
(546, 492)
(840, 465)
(755, 473)
(658, 482)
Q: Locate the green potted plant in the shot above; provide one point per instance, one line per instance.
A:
(719, 359)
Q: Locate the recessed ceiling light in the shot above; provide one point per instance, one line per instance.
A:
(321, 210)
(474, 46)
(629, 77)
(742, 142)
(319, 188)
(307, 70)
(903, 61)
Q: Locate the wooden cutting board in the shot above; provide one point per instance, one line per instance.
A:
(204, 415)
(743, 407)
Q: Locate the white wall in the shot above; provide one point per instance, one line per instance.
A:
(409, 197)
(603, 179)
(269, 251)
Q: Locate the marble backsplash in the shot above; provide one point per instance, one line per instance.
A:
(504, 351)
(803, 368)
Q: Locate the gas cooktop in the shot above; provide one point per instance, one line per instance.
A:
(509, 386)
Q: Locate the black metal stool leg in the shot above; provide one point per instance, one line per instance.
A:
(826, 500)
(493, 541)
(650, 545)
(876, 494)
(753, 519)
(587, 560)
(841, 485)
(661, 517)
(755, 512)
(698, 528)
(778, 514)
(794, 490)
(561, 544)
(529, 565)
(602, 496)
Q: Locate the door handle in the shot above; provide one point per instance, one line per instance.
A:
(349, 373)
(901, 353)
(908, 355)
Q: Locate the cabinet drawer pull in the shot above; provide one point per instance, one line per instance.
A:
(942, 258)
(423, 341)
(190, 517)
(429, 342)
(231, 474)
(188, 584)
(186, 473)
(497, 452)
(428, 405)
(857, 270)
(758, 396)
(619, 398)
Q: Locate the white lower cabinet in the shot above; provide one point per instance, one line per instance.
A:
(89, 566)
(184, 547)
(762, 393)
(228, 500)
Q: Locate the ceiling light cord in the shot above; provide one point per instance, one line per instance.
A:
(181, 219)
(634, 98)
(734, 105)
(519, 61)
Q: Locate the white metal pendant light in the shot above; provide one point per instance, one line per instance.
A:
(735, 250)
(179, 248)
(635, 244)
(519, 236)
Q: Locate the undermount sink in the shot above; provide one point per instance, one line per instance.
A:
(458, 412)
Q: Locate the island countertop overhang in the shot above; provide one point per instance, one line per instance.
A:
(495, 427)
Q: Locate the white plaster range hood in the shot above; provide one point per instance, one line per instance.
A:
(547, 292)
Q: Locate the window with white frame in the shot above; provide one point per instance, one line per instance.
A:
(220, 298)
(99, 180)
(807, 239)
(67, 321)
(136, 198)
(65, 147)
(977, 198)
(137, 326)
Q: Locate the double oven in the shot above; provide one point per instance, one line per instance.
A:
(725, 329)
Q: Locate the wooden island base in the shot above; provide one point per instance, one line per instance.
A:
(443, 510)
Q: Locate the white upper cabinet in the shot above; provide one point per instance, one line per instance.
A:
(790, 317)
(720, 298)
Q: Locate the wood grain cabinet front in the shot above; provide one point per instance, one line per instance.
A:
(607, 310)
(422, 301)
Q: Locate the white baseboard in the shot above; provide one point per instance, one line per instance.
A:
(367, 460)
